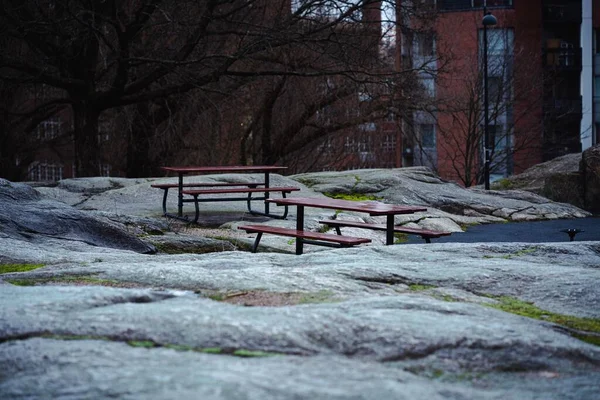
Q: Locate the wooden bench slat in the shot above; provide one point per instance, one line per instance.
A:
(346, 240)
(195, 192)
(424, 233)
(205, 184)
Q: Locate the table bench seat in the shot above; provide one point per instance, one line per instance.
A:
(195, 193)
(206, 184)
(308, 237)
(424, 233)
(167, 186)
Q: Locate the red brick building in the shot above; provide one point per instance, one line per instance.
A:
(543, 85)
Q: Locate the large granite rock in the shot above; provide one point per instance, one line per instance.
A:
(25, 213)
(565, 187)
(368, 336)
(590, 171)
(420, 186)
(390, 322)
(534, 179)
(572, 178)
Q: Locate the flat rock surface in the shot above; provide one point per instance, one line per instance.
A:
(408, 321)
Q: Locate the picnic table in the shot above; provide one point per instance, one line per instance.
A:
(196, 190)
(373, 208)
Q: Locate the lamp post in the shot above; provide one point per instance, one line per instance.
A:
(488, 20)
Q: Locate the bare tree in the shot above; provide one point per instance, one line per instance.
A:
(456, 110)
(145, 55)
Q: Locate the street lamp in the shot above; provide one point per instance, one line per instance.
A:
(488, 20)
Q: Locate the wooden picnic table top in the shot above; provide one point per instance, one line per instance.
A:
(374, 208)
(224, 169)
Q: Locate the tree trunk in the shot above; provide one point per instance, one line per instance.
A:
(86, 148)
(138, 144)
(268, 155)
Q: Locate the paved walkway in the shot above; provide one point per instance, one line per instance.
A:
(535, 232)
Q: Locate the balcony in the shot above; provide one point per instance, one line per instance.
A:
(562, 14)
(562, 58)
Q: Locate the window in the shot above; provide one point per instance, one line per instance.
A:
(326, 9)
(492, 3)
(48, 129)
(104, 169)
(428, 84)
(457, 5)
(500, 41)
(427, 132)
(45, 172)
(326, 146)
(500, 62)
(389, 143)
(495, 88)
(448, 5)
(424, 44)
(349, 145)
(324, 115)
(364, 96)
(368, 127)
(364, 144)
(104, 127)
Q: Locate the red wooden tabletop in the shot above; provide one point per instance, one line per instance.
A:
(221, 169)
(372, 207)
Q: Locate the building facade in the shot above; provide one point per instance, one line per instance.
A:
(543, 85)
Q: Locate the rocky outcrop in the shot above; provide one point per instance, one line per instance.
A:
(26, 214)
(572, 178)
(565, 187)
(394, 322)
(81, 318)
(590, 171)
(534, 179)
(420, 186)
(450, 207)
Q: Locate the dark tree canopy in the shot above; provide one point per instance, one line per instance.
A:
(147, 60)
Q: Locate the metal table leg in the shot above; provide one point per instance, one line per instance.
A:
(299, 227)
(389, 232)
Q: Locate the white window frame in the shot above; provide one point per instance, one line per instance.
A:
(49, 128)
(45, 172)
(389, 143)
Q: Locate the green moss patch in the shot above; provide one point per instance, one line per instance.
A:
(400, 237)
(308, 182)
(519, 253)
(71, 280)
(417, 287)
(142, 343)
(503, 184)
(149, 344)
(7, 268)
(352, 196)
(323, 296)
(586, 329)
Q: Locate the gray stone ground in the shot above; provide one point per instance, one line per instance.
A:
(105, 320)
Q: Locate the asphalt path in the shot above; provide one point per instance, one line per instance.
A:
(533, 232)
